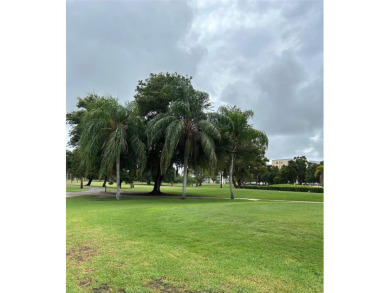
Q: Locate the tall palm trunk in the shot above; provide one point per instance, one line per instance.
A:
(231, 177)
(186, 155)
(118, 179)
(220, 178)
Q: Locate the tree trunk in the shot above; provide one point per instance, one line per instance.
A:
(89, 181)
(187, 151)
(81, 182)
(235, 183)
(239, 182)
(157, 182)
(231, 177)
(220, 178)
(183, 195)
(118, 179)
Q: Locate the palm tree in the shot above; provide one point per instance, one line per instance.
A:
(240, 133)
(320, 172)
(186, 123)
(110, 128)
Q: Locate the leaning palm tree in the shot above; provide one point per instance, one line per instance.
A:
(240, 133)
(109, 128)
(185, 124)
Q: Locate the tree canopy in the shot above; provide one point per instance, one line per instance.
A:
(169, 126)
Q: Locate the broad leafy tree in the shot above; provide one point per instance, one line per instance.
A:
(288, 174)
(153, 97)
(301, 168)
(310, 173)
(249, 160)
(299, 164)
(267, 174)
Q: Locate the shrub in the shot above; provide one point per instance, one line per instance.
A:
(287, 188)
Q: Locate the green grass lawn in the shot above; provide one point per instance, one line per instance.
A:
(214, 190)
(196, 245)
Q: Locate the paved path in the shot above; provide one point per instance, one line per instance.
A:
(286, 200)
(90, 190)
(256, 199)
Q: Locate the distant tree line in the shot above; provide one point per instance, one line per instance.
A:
(168, 126)
(298, 171)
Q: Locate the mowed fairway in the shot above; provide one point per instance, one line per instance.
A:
(213, 190)
(75, 188)
(195, 245)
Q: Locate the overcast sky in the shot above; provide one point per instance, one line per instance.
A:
(261, 55)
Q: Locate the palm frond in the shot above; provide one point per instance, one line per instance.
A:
(220, 119)
(139, 149)
(209, 128)
(157, 126)
(208, 147)
(180, 108)
(114, 146)
(173, 134)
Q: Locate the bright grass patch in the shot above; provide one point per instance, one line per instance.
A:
(194, 245)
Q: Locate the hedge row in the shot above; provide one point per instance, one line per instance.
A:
(285, 188)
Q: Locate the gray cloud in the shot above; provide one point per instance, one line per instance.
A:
(112, 45)
(266, 56)
(260, 55)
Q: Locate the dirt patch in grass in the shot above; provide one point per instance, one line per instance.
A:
(159, 286)
(85, 282)
(102, 289)
(80, 253)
